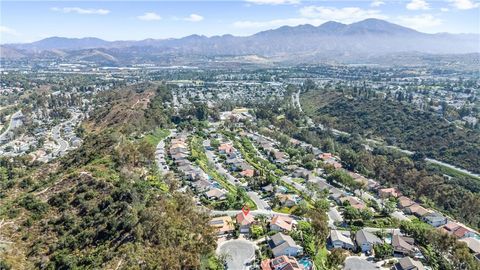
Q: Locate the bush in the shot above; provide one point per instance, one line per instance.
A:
(34, 205)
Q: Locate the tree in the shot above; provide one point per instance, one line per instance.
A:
(383, 251)
(319, 221)
(366, 214)
(336, 258)
(351, 213)
(389, 207)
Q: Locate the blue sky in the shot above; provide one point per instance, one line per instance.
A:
(27, 21)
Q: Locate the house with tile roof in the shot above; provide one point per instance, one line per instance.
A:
(282, 223)
(281, 263)
(244, 221)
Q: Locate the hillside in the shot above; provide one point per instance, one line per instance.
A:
(103, 206)
(397, 124)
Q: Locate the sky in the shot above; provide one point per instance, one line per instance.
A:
(28, 21)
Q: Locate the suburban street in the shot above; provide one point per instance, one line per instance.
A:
(239, 252)
(12, 124)
(261, 204)
(160, 153)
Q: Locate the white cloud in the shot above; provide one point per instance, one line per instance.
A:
(423, 22)
(149, 16)
(418, 5)
(464, 4)
(345, 15)
(316, 15)
(444, 9)
(194, 18)
(273, 2)
(377, 3)
(81, 10)
(8, 31)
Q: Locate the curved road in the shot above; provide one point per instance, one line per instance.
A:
(239, 252)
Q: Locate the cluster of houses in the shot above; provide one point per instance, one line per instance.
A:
(284, 249)
(234, 161)
(199, 180)
(269, 147)
(236, 115)
(444, 224)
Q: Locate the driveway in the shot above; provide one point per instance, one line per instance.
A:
(239, 252)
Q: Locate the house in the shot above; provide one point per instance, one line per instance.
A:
(178, 149)
(407, 263)
(282, 244)
(389, 192)
(216, 194)
(457, 230)
(179, 156)
(223, 225)
(435, 219)
(202, 185)
(404, 201)
(341, 239)
(281, 263)
(358, 178)
(287, 200)
(245, 221)
(417, 210)
(472, 243)
(462, 232)
(403, 245)
(357, 263)
(280, 157)
(366, 240)
(354, 202)
(282, 223)
(373, 185)
(247, 173)
(301, 173)
(325, 156)
(335, 164)
(268, 188)
(225, 148)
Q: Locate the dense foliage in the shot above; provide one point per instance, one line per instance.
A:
(104, 206)
(401, 125)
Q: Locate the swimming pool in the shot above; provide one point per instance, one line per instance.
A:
(307, 264)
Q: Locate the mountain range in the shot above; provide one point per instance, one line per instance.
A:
(331, 41)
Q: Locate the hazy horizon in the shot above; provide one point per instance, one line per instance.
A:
(113, 20)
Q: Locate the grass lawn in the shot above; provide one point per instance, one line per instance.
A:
(156, 136)
(285, 210)
(321, 258)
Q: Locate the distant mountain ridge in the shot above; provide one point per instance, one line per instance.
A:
(303, 43)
